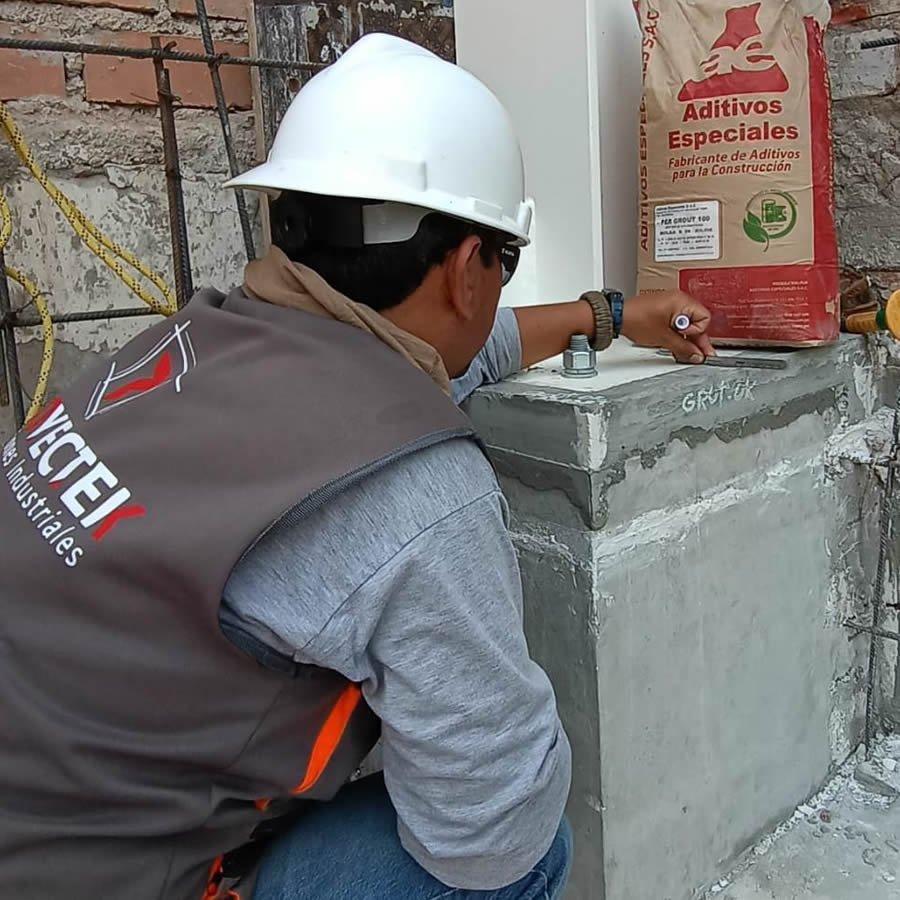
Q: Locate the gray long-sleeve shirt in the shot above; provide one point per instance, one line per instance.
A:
(408, 584)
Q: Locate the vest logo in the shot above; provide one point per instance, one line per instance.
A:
(68, 494)
(65, 491)
(165, 364)
(739, 62)
(9, 454)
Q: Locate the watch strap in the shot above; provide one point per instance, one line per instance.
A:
(616, 300)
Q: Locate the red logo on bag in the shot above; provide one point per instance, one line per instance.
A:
(739, 63)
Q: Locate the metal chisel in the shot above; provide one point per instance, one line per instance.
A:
(735, 362)
(682, 323)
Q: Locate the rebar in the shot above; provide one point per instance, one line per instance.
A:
(17, 320)
(221, 59)
(181, 258)
(881, 42)
(884, 542)
(10, 354)
(4, 381)
(877, 632)
(222, 109)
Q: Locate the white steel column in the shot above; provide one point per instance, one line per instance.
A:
(569, 73)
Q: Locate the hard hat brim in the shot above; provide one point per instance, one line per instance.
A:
(331, 180)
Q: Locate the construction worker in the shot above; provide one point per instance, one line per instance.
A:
(263, 535)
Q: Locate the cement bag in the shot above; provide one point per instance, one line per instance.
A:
(736, 177)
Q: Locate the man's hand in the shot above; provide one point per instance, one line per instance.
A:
(648, 322)
(544, 331)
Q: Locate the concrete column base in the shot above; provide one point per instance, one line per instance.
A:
(691, 542)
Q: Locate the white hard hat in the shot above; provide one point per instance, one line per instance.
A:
(390, 121)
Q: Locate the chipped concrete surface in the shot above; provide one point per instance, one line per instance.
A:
(68, 140)
(843, 844)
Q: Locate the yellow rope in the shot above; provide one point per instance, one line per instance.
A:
(104, 247)
(40, 389)
(5, 221)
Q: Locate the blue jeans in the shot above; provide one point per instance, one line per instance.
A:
(349, 850)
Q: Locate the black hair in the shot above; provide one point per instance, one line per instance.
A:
(325, 234)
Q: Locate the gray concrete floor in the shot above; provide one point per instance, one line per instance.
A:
(842, 845)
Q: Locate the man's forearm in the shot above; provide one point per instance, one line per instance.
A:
(545, 331)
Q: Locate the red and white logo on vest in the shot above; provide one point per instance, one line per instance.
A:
(739, 62)
(164, 365)
(70, 496)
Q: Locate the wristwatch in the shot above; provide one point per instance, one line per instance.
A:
(616, 300)
(608, 309)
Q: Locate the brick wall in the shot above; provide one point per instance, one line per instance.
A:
(93, 124)
(116, 80)
(867, 139)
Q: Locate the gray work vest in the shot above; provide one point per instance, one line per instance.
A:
(138, 744)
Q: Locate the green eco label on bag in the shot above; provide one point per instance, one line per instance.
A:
(771, 215)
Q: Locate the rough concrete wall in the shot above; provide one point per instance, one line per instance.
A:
(867, 137)
(93, 126)
(328, 27)
(321, 31)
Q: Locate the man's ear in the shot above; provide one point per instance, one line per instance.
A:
(465, 272)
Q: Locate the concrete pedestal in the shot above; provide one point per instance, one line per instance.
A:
(691, 541)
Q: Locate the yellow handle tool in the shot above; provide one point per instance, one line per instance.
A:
(887, 318)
